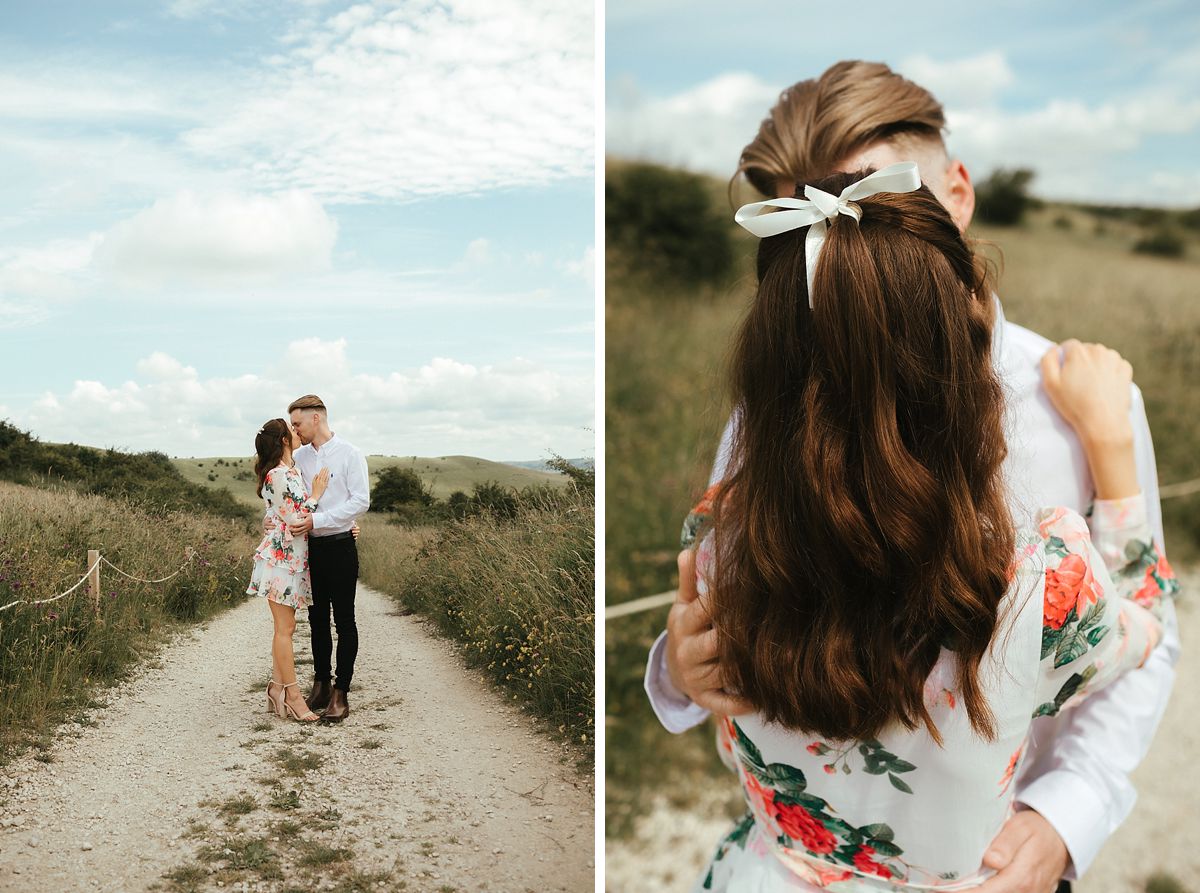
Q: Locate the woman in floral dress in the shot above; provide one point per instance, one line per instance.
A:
(873, 595)
(281, 561)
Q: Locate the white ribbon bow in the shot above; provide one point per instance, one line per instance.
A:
(816, 207)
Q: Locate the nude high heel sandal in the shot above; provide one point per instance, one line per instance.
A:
(273, 705)
(307, 716)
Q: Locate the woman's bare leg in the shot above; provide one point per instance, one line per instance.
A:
(282, 656)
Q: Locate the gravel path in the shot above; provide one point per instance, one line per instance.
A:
(433, 782)
(671, 845)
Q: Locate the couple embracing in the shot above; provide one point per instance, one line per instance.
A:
(315, 485)
(925, 595)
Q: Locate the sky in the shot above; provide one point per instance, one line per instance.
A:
(211, 207)
(1100, 99)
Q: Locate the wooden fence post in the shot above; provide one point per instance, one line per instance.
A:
(94, 579)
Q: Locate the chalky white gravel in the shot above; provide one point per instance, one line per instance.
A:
(463, 791)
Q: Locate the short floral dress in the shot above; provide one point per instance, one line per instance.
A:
(901, 813)
(281, 561)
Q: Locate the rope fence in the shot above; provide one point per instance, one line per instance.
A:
(662, 599)
(92, 577)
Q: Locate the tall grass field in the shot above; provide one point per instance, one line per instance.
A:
(517, 592)
(55, 657)
(1065, 272)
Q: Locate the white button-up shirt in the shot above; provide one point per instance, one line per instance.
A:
(349, 492)
(1077, 775)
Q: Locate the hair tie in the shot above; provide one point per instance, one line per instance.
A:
(812, 211)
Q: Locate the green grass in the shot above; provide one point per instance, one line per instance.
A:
(55, 658)
(518, 595)
(443, 474)
(297, 764)
(667, 351)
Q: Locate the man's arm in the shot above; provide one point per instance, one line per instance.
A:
(359, 487)
(1080, 783)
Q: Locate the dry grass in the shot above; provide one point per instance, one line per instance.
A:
(52, 657)
(518, 594)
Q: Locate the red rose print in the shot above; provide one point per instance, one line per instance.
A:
(864, 863)
(814, 749)
(797, 824)
(829, 770)
(1070, 586)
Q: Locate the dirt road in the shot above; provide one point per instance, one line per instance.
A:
(185, 782)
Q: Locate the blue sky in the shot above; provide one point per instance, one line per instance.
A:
(1099, 98)
(212, 206)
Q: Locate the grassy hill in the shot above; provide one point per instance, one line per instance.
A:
(443, 474)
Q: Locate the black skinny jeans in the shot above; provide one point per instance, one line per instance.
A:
(333, 567)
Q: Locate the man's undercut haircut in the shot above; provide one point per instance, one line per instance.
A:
(818, 123)
(308, 401)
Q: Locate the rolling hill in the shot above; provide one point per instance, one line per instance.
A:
(443, 474)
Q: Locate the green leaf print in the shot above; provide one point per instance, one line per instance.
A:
(1073, 646)
(878, 831)
(898, 784)
(1054, 546)
(1050, 639)
(885, 847)
(749, 751)
(1094, 636)
(784, 777)
(1093, 615)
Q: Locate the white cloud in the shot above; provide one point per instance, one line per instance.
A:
(969, 82)
(584, 267)
(703, 128)
(431, 98)
(446, 406)
(220, 238)
(30, 276)
(478, 252)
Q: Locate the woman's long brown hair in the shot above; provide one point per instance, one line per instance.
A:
(863, 525)
(268, 448)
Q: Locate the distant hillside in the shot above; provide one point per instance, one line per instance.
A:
(443, 474)
(543, 464)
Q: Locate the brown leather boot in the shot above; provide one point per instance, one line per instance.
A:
(318, 698)
(338, 709)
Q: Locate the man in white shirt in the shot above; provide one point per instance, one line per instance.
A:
(332, 552)
(1074, 788)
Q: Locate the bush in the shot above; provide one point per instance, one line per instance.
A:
(397, 488)
(149, 480)
(664, 222)
(1003, 198)
(1162, 242)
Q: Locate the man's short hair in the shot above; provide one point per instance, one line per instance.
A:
(308, 401)
(818, 123)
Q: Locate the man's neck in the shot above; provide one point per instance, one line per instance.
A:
(321, 438)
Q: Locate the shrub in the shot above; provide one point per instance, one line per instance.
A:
(1162, 242)
(1003, 198)
(664, 222)
(397, 487)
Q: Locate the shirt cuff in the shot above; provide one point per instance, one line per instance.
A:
(674, 709)
(319, 520)
(1083, 819)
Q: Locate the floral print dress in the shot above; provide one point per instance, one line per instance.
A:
(281, 561)
(900, 813)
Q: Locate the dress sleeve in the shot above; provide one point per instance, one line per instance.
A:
(1103, 599)
(296, 498)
